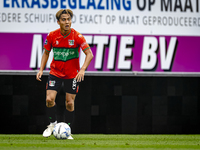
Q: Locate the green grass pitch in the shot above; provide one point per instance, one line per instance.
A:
(100, 142)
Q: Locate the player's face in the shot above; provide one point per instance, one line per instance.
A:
(65, 23)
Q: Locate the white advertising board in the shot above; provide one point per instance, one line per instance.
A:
(135, 17)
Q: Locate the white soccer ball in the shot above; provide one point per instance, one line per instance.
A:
(62, 130)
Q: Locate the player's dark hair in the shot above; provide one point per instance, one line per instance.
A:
(64, 11)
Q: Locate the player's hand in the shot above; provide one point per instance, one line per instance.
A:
(80, 76)
(39, 75)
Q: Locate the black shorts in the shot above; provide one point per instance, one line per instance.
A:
(70, 85)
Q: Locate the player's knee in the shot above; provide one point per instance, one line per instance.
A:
(50, 102)
(70, 106)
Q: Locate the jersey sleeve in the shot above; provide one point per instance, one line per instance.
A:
(48, 43)
(82, 42)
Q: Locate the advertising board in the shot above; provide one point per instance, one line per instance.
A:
(159, 36)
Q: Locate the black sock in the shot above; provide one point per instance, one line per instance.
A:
(60, 113)
(69, 117)
(51, 114)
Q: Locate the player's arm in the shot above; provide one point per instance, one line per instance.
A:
(45, 57)
(88, 58)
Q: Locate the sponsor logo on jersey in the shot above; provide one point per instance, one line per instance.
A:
(65, 54)
(57, 42)
(52, 83)
(71, 42)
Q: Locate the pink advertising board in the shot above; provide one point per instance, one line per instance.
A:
(116, 53)
(125, 36)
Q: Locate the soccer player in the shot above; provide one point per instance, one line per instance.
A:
(66, 43)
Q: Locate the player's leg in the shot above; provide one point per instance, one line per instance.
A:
(51, 105)
(70, 101)
(71, 89)
(53, 85)
(69, 112)
(50, 111)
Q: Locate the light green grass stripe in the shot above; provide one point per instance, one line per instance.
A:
(101, 142)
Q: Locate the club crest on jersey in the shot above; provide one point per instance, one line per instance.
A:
(57, 42)
(52, 83)
(71, 42)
